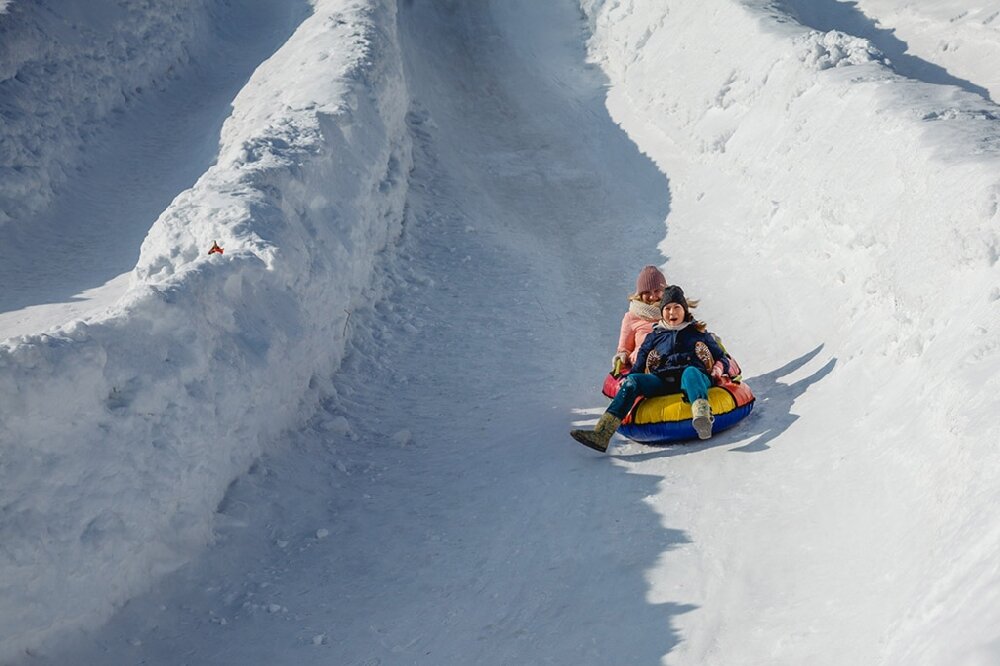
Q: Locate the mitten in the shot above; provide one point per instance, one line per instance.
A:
(719, 375)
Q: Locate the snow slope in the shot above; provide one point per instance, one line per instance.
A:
(121, 432)
(859, 210)
(432, 511)
(834, 205)
(157, 136)
(952, 41)
(64, 70)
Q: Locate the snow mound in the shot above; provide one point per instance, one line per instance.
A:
(120, 434)
(822, 50)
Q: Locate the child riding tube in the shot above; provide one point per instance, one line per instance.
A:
(678, 356)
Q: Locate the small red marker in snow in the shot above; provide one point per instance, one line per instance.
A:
(215, 248)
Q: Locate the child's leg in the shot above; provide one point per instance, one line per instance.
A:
(631, 388)
(695, 384)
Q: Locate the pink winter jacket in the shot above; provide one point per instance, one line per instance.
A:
(634, 331)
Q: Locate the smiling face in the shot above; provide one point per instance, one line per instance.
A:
(651, 297)
(673, 314)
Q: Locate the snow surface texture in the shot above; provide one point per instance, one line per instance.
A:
(857, 214)
(73, 258)
(121, 433)
(460, 515)
(947, 42)
(832, 204)
(65, 67)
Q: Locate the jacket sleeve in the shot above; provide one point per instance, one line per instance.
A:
(626, 340)
(639, 367)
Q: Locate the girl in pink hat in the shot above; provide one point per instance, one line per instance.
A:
(643, 312)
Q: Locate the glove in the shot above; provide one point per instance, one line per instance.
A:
(620, 364)
(719, 375)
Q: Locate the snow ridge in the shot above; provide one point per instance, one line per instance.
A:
(941, 33)
(120, 434)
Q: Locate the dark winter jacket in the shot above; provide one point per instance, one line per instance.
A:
(668, 353)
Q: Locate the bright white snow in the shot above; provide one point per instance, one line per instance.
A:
(386, 359)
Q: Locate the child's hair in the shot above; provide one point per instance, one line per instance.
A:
(692, 303)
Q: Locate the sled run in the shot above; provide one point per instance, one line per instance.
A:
(344, 439)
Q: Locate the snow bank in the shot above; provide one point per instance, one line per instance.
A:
(802, 163)
(120, 434)
(946, 38)
(65, 67)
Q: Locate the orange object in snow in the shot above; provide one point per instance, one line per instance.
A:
(215, 248)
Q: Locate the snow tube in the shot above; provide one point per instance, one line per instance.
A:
(666, 419)
(614, 378)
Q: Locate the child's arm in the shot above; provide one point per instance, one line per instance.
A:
(718, 353)
(639, 366)
(626, 340)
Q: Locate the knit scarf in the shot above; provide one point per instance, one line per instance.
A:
(647, 311)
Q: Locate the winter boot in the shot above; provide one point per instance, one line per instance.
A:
(599, 437)
(703, 418)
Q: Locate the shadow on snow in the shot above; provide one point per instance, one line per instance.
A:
(827, 15)
(772, 414)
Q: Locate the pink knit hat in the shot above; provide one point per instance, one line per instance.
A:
(650, 279)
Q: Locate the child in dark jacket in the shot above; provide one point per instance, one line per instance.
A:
(678, 355)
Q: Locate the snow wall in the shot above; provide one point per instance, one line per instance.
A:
(775, 136)
(65, 66)
(119, 435)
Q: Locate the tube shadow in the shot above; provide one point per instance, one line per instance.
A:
(772, 413)
(775, 400)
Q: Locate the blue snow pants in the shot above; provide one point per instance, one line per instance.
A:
(694, 385)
